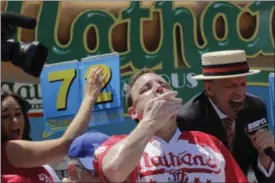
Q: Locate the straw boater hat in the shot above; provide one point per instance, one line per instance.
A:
(224, 64)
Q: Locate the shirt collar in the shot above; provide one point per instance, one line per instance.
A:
(173, 139)
(219, 112)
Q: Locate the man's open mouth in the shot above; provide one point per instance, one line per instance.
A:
(236, 104)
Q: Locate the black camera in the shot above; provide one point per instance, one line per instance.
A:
(31, 56)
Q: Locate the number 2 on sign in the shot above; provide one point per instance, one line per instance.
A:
(104, 97)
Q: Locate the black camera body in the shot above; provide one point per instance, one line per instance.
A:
(30, 57)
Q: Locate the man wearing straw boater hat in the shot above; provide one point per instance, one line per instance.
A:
(224, 110)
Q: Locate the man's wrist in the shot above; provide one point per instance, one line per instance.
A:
(147, 126)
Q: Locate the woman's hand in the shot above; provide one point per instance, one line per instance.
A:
(94, 84)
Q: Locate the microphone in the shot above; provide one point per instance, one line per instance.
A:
(256, 123)
(18, 20)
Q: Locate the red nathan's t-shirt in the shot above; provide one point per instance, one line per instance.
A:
(9, 173)
(188, 157)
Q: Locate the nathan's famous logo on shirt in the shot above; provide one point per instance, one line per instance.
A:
(192, 163)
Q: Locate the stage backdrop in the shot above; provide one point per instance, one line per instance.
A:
(166, 36)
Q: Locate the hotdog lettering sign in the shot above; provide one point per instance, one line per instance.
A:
(166, 36)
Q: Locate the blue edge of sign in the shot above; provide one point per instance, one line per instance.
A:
(125, 127)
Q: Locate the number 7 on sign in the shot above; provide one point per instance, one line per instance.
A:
(67, 77)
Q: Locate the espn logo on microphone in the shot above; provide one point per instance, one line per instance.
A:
(262, 123)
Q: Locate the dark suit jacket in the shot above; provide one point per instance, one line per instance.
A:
(198, 114)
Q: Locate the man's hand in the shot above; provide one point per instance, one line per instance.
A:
(262, 139)
(94, 84)
(158, 111)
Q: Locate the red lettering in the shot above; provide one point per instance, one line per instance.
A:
(165, 161)
(156, 160)
(199, 158)
(212, 163)
(172, 156)
(186, 159)
(172, 160)
(146, 160)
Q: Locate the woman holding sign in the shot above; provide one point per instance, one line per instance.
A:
(23, 159)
